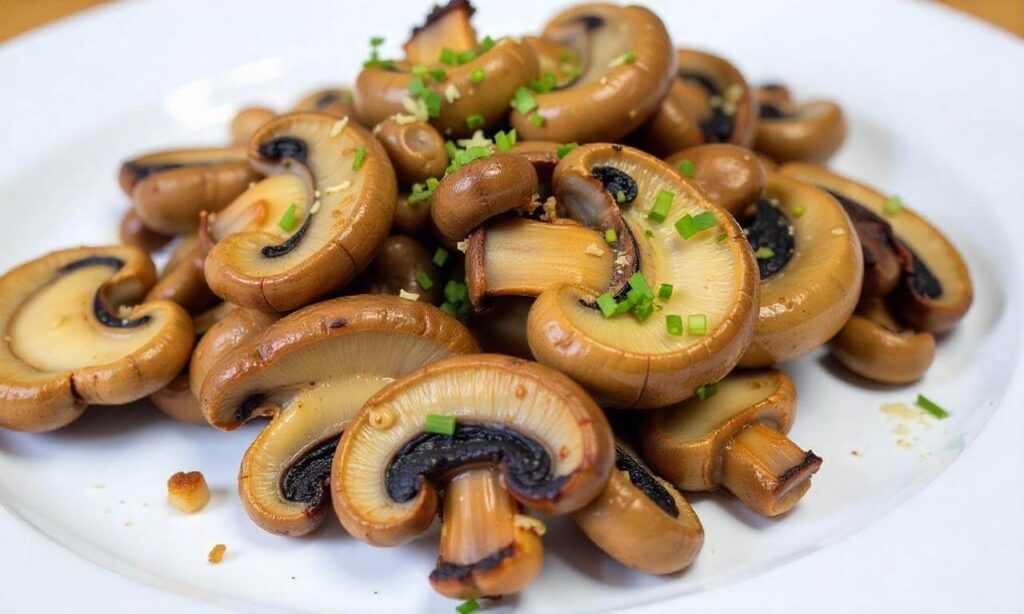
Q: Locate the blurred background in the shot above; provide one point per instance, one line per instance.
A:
(18, 16)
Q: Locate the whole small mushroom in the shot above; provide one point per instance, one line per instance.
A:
(731, 176)
(404, 266)
(873, 344)
(787, 131)
(415, 148)
(133, 232)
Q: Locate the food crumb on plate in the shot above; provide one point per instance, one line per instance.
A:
(216, 554)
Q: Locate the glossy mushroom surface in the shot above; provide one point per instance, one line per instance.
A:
(352, 190)
(404, 265)
(734, 440)
(76, 334)
(731, 176)
(334, 101)
(873, 344)
(133, 232)
(247, 122)
(416, 149)
(788, 131)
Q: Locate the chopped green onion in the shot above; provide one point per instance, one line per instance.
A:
(416, 87)
(674, 324)
(537, 120)
(625, 306)
(687, 168)
(564, 150)
(523, 101)
(642, 311)
(697, 324)
(487, 44)
(638, 282)
(892, 206)
(450, 149)
(438, 74)
(764, 253)
(475, 121)
(433, 101)
(456, 292)
(626, 58)
(468, 607)
(689, 225)
(799, 211)
(722, 237)
(648, 232)
(566, 57)
(376, 41)
(478, 75)
(607, 304)
(424, 280)
(504, 141)
(707, 391)
(419, 70)
(419, 193)
(466, 56)
(360, 158)
(442, 425)
(375, 61)
(931, 407)
(449, 57)
(287, 221)
(546, 83)
(641, 296)
(610, 236)
(573, 70)
(440, 257)
(620, 197)
(665, 291)
(662, 202)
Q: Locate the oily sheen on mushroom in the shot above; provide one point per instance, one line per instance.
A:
(731, 176)
(787, 131)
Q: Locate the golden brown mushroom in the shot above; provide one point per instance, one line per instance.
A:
(351, 184)
(731, 176)
(246, 122)
(133, 232)
(641, 520)
(311, 372)
(549, 440)
(446, 27)
(170, 188)
(334, 101)
(787, 131)
(734, 439)
(415, 148)
(411, 218)
(626, 66)
(874, 345)
(182, 281)
(502, 328)
(75, 334)
(403, 265)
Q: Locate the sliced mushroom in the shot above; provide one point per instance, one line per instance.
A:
(731, 176)
(558, 63)
(404, 265)
(334, 101)
(934, 291)
(788, 131)
(446, 27)
(415, 148)
(311, 372)
(627, 64)
(811, 267)
(74, 335)
(246, 122)
(351, 184)
(550, 441)
(170, 188)
(734, 439)
(133, 232)
(709, 102)
(182, 280)
(622, 361)
(874, 345)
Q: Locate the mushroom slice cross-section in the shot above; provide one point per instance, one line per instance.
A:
(811, 268)
(170, 188)
(935, 290)
(353, 191)
(639, 361)
(74, 335)
(627, 64)
(311, 372)
(734, 439)
(641, 520)
(874, 345)
(788, 131)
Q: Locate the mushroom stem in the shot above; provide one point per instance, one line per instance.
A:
(520, 257)
(767, 471)
(484, 550)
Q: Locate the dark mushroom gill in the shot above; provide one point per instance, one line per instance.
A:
(770, 228)
(99, 307)
(643, 480)
(719, 126)
(305, 480)
(278, 149)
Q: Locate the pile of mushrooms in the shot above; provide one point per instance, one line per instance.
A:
(623, 226)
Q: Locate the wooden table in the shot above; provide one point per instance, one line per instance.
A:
(17, 16)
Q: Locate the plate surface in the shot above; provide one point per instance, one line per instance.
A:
(132, 84)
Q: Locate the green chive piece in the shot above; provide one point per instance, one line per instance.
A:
(665, 291)
(416, 87)
(523, 101)
(475, 121)
(707, 391)
(478, 75)
(442, 425)
(799, 211)
(662, 202)
(931, 407)
(648, 232)
(674, 324)
(487, 44)
(424, 280)
(637, 281)
(607, 304)
(456, 292)
(288, 220)
(625, 306)
(466, 56)
(764, 253)
(689, 225)
(643, 311)
(449, 57)
(892, 206)
(687, 168)
(610, 236)
(620, 197)
(547, 83)
(537, 120)
(451, 149)
(360, 158)
(440, 257)
(433, 101)
(697, 324)
(376, 41)
(449, 309)
(419, 70)
(468, 607)
(722, 237)
(438, 75)
(564, 150)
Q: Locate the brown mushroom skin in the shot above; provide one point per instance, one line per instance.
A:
(133, 232)
(183, 281)
(731, 176)
(872, 345)
(502, 328)
(396, 266)
(411, 219)
(333, 101)
(177, 401)
(673, 126)
(788, 132)
(445, 27)
(416, 149)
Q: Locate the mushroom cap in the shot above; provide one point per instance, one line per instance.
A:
(170, 188)
(334, 240)
(479, 191)
(334, 101)
(543, 155)
(873, 345)
(809, 300)
(937, 291)
(641, 520)
(544, 419)
(133, 232)
(74, 336)
(612, 97)
(411, 218)
(685, 442)
(416, 149)
(502, 329)
(396, 268)
(445, 27)
(246, 122)
(229, 332)
(787, 131)
(182, 280)
(631, 364)
(731, 176)
(312, 371)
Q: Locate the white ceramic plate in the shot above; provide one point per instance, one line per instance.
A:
(934, 105)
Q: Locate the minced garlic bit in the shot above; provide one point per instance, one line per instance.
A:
(339, 127)
(478, 140)
(529, 523)
(401, 119)
(621, 260)
(216, 554)
(838, 231)
(124, 311)
(315, 207)
(594, 250)
(334, 189)
(451, 93)
(462, 246)
(409, 296)
(187, 492)
(316, 193)
(416, 108)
